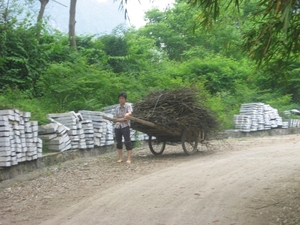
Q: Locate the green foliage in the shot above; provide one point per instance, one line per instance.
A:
(219, 73)
(16, 99)
(170, 52)
(20, 56)
(175, 32)
(273, 33)
(281, 103)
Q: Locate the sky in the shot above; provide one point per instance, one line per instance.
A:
(100, 16)
(137, 10)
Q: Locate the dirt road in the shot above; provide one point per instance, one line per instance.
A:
(241, 181)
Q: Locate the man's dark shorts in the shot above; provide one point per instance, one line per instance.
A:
(125, 132)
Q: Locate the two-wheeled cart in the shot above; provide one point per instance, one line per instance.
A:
(159, 136)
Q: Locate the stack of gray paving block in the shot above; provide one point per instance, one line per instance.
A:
(257, 116)
(81, 135)
(285, 124)
(55, 137)
(88, 129)
(31, 134)
(107, 132)
(19, 140)
(6, 149)
(109, 136)
(75, 132)
(242, 122)
(103, 129)
(110, 110)
(294, 123)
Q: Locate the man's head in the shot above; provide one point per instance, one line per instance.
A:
(122, 98)
(122, 94)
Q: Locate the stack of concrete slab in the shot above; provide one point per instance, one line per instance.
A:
(285, 124)
(75, 132)
(81, 136)
(109, 136)
(107, 132)
(88, 129)
(5, 142)
(55, 137)
(242, 122)
(294, 123)
(19, 140)
(257, 116)
(103, 129)
(33, 143)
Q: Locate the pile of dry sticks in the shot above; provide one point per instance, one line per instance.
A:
(175, 109)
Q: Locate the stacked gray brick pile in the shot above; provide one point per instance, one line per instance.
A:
(285, 124)
(88, 129)
(55, 137)
(75, 132)
(294, 123)
(19, 140)
(103, 129)
(257, 116)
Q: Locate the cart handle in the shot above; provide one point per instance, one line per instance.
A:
(147, 123)
(108, 118)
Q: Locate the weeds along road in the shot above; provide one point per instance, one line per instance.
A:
(241, 181)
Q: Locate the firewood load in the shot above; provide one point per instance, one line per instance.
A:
(175, 109)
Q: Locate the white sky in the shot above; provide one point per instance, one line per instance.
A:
(137, 10)
(93, 21)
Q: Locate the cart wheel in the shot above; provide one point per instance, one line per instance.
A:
(189, 140)
(156, 147)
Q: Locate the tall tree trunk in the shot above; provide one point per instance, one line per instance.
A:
(72, 22)
(40, 17)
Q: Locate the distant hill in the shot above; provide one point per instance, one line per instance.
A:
(92, 16)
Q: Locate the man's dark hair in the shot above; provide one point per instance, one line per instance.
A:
(122, 94)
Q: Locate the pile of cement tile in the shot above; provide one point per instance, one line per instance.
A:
(88, 129)
(72, 121)
(19, 140)
(257, 116)
(55, 137)
(103, 129)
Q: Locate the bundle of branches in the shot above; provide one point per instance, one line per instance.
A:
(175, 109)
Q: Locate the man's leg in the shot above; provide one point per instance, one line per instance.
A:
(126, 134)
(120, 153)
(129, 152)
(118, 133)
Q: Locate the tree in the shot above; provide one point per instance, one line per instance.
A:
(173, 32)
(72, 23)
(40, 17)
(274, 33)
